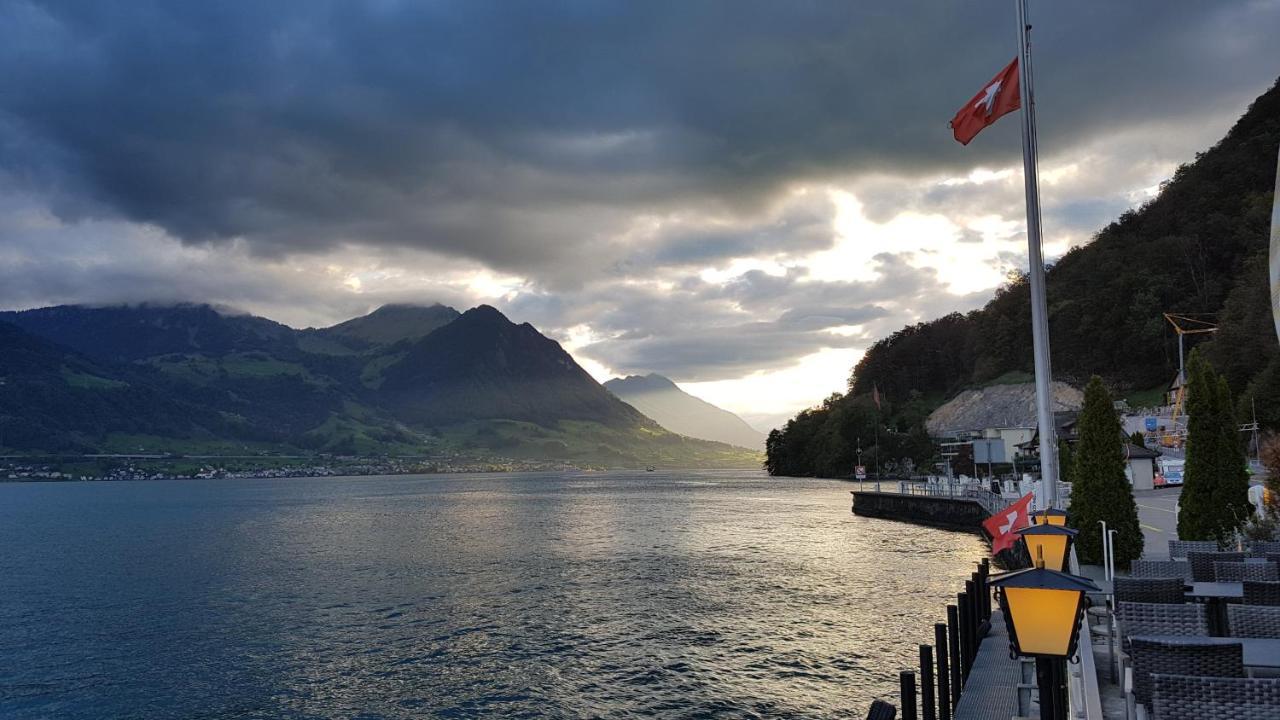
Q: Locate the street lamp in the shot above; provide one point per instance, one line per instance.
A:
(1042, 610)
(1050, 516)
(1048, 545)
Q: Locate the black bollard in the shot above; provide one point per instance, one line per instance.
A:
(971, 592)
(944, 672)
(881, 710)
(966, 632)
(953, 647)
(907, 693)
(928, 706)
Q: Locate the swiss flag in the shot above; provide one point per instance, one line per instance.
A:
(1001, 526)
(998, 97)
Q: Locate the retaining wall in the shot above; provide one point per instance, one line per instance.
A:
(943, 512)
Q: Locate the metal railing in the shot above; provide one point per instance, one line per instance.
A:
(991, 502)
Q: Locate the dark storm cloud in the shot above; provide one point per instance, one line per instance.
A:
(529, 135)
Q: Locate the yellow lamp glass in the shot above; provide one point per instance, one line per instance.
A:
(1042, 609)
(1052, 549)
(1044, 619)
(1051, 516)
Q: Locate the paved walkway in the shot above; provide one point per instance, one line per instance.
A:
(1158, 515)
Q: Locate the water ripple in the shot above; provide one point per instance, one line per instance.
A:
(693, 595)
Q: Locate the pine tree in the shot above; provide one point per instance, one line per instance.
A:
(1196, 504)
(1066, 462)
(1215, 494)
(1101, 492)
(1232, 491)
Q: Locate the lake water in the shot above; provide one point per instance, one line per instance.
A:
(694, 594)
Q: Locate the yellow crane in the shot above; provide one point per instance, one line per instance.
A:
(1186, 324)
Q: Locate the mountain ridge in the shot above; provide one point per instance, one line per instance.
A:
(660, 398)
(395, 381)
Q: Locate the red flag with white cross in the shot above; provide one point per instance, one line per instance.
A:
(1002, 525)
(998, 97)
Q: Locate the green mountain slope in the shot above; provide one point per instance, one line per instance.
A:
(403, 380)
(388, 325)
(55, 400)
(1200, 246)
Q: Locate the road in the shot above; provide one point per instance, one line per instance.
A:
(1158, 515)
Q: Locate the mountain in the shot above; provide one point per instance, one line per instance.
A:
(483, 366)
(124, 333)
(678, 411)
(1199, 246)
(54, 399)
(403, 380)
(390, 324)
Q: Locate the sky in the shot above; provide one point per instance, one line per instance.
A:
(739, 195)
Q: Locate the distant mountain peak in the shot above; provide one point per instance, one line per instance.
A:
(652, 382)
(393, 323)
(661, 399)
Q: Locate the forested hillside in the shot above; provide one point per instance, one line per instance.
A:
(1200, 246)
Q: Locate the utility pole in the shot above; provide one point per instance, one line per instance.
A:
(1035, 255)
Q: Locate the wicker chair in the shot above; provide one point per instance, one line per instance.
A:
(1241, 571)
(1202, 564)
(1181, 658)
(1257, 592)
(1150, 590)
(1185, 697)
(1161, 569)
(1254, 621)
(1178, 549)
(1162, 619)
(1262, 548)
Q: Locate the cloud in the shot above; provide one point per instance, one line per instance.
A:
(529, 138)
(702, 189)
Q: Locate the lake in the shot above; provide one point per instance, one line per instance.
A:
(666, 594)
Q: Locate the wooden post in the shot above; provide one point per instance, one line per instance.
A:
(966, 634)
(907, 693)
(880, 710)
(944, 672)
(927, 704)
(953, 646)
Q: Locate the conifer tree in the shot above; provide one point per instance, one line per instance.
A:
(1195, 506)
(1101, 492)
(1232, 492)
(1215, 492)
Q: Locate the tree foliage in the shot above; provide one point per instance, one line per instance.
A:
(1215, 496)
(823, 441)
(1100, 491)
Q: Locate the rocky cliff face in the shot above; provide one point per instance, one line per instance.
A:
(997, 406)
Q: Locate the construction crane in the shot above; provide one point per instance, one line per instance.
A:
(1186, 324)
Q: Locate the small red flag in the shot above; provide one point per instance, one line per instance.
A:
(999, 97)
(1002, 525)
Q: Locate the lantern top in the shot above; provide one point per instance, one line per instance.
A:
(1043, 579)
(1043, 529)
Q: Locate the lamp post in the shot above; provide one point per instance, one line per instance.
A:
(1048, 545)
(1049, 516)
(1042, 610)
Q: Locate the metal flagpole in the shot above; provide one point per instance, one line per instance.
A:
(1039, 306)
